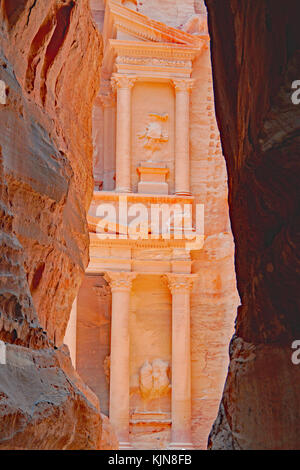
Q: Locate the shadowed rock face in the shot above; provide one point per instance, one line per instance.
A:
(49, 56)
(256, 57)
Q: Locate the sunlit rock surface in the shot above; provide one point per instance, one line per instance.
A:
(50, 52)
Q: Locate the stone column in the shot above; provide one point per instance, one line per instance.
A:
(70, 338)
(182, 154)
(123, 85)
(108, 104)
(180, 286)
(121, 283)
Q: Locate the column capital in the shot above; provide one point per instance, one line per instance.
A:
(101, 291)
(180, 282)
(120, 281)
(183, 84)
(122, 81)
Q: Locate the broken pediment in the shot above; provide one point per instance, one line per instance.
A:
(138, 45)
(122, 22)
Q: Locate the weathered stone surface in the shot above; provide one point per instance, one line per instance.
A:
(108, 436)
(45, 129)
(255, 52)
(49, 56)
(41, 405)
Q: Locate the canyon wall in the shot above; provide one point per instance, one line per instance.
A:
(256, 58)
(215, 299)
(50, 53)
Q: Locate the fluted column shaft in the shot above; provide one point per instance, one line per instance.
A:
(123, 85)
(182, 154)
(180, 286)
(121, 283)
(109, 111)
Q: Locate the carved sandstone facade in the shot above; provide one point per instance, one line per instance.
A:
(156, 311)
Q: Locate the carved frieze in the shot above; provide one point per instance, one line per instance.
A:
(152, 61)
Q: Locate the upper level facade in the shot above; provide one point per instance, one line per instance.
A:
(146, 82)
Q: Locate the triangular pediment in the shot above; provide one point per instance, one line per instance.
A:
(122, 22)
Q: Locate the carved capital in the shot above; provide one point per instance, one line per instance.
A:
(180, 282)
(182, 84)
(120, 281)
(122, 81)
(101, 291)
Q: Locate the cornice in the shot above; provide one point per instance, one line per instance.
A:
(154, 49)
(101, 196)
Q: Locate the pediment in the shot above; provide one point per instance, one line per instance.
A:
(123, 23)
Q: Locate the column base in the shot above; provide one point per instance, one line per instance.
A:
(180, 446)
(125, 445)
(123, 190)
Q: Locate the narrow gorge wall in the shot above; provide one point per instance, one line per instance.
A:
(256, 58)
(50, 53)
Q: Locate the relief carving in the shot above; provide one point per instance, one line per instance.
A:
(102, 291)
(106, 367)
(103, 294)
(154, 379)
(155, 135)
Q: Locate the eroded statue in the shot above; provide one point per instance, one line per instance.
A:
(154, 380)
(155, 135)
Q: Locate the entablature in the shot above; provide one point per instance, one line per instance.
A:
(145, 221)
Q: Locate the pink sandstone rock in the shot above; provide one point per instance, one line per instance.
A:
(49, 56)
